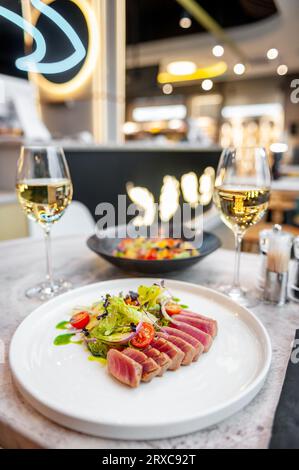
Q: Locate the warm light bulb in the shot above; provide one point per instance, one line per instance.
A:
(218, 51)
(167, 89)
(272, 54)
(282, 69)
(182, 67)
(207, 85)
(239, 69)
(185, 22)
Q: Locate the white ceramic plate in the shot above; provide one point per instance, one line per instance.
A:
(61, 383)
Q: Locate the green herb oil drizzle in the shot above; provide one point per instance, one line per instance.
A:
(62, 325)
(101, 360)
(63, 340)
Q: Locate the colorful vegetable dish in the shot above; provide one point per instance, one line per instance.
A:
(155, 249)
(140, 334)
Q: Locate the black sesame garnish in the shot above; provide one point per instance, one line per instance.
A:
(106, 303)
(103, 315)
(133, 295)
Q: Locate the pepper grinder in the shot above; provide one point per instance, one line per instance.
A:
(277, 270)
(294, 287)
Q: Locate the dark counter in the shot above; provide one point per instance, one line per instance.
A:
(99, 175)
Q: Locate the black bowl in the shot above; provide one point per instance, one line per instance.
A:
(104, 247)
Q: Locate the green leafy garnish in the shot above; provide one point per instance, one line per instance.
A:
(149, 295)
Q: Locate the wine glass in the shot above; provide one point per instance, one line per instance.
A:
(242, 192)
(44, 190)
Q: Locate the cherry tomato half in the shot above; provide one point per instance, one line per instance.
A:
(144, 337)
(173, 309)
(80, 320)
(152, 255)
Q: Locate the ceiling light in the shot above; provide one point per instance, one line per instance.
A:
(214, 70)
(272, 54)
(252, 110)
(182, 67)
(159, 113)
(175, 124)
(278, 147)
(282, 69)
(218, 51)
(207, 85)
(167, 89)
(130, 128)
(239, 69)
(185, 21)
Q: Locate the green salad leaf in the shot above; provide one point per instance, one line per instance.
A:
(148, 296)
(98, 349)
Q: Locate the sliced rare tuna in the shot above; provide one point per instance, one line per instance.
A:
(123, 368)
(208, 326)
(172, 351)
(188, 338)
(149, 367)
(198, 315)
(205, 339)
(187, 349)
(160, 358)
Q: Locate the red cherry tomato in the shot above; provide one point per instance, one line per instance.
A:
(152, 255)
(80, 320)
(144, 337)
(173, 309)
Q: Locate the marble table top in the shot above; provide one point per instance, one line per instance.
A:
(22, 265)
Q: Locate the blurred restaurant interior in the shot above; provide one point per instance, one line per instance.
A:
(148, 107)
(163, 88)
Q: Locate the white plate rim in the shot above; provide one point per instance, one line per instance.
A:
(216, 414)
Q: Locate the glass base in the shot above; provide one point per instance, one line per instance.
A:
(241, 296)
(47, 290)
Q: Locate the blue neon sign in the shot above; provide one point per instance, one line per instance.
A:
(33, 62)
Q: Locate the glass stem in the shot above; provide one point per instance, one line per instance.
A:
(49, 276)
(238, 244)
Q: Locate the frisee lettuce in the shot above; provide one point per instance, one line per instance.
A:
(149, 296)
(116, 323)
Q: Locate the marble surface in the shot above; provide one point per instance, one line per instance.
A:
(22, 265)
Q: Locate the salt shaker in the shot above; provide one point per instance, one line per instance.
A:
(294, 286)
(277, 268)
(264, 246)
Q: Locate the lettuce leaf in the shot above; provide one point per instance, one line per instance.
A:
(148, 296)
(118, 320)
(98, 349)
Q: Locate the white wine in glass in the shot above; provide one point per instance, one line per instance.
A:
(242, 192)
(44, 190)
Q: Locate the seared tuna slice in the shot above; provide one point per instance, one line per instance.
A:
(187, 349)
(160, 358)
(149, 367)
(172, 351)
(208, 326)
(205, 339)
(123, 368)
(188, 338)
(202, 317)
